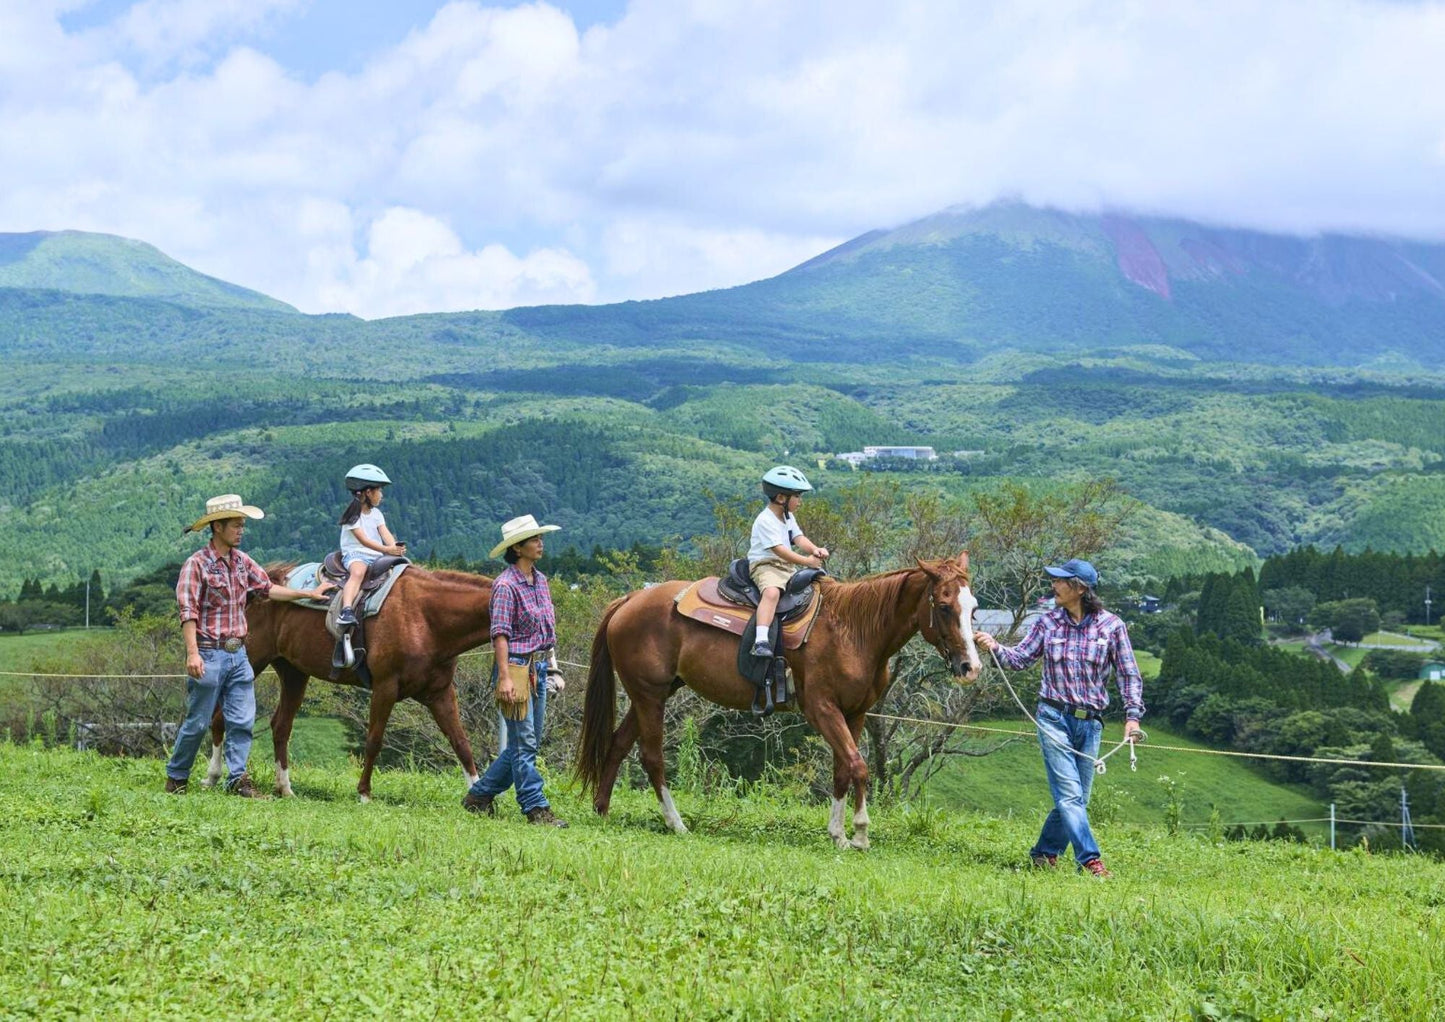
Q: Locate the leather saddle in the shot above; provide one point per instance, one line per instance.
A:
(350, 651)
(730, 603)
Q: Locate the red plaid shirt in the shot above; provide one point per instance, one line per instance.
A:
(212, 592)
(522, 611)
(1078, 659)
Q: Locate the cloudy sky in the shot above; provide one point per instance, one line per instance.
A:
(383, 157)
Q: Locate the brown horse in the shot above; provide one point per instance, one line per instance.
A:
(412, 648)
(838, 674)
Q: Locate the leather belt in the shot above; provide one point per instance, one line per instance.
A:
(1069, 710)
(229, 645)
(537, 656)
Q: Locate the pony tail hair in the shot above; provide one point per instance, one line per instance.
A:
(352, 512)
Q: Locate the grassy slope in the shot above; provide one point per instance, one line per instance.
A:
(1012, 780)
(118, 900)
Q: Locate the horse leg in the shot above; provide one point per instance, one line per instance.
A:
(849, 770)
(444, 711)
(381, 706)
(216, 769)
(623, 739)
(649, 750)
(860, 796)
(293, 690)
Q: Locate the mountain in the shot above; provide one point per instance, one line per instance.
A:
(102, 264)
(1252, 392)
(965, 282)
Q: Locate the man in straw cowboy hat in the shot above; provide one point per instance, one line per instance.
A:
(524, 637)
(212, 591)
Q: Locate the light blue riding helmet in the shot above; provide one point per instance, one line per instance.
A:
(364, 477)
(784, 479)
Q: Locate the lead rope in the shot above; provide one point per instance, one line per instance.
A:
(1100, 767)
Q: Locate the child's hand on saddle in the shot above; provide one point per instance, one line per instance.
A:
(822, 554)
(397, 550)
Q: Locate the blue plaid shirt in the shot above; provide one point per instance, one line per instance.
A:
(1078, 658)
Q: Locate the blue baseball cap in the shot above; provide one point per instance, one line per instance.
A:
(1076, 568)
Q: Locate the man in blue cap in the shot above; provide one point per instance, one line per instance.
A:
(1081, 644)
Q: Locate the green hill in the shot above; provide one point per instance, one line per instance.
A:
(102, 264)
(121, 901)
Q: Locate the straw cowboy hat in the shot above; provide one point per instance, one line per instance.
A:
(227, 505)
(519, 529)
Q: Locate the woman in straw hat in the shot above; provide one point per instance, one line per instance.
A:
(524, 634)
(211, 593)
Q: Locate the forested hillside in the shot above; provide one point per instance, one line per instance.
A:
(132, 392)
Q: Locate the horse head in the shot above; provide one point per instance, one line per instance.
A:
(951, 603)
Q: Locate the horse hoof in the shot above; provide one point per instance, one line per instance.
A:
(842, 843)
(858, 844)
(283, 792)
(363, 798)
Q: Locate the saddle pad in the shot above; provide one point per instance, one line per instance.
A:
(701, 602)
(303, 576)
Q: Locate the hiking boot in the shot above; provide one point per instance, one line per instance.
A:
(245, 788)
(346, 616)
(1096, 867)
(763, 649)
(175, 787)
(479, 804)
(544, 816)
(1042, 861)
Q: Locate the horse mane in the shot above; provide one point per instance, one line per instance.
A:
(864, 605)
(277, 571)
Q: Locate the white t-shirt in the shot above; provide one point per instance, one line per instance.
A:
(369, 525)
(770, 531)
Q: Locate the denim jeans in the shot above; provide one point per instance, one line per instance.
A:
(227, 679)
(1070, 778)
(537, 711)
(516, 763)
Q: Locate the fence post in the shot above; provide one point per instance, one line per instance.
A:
(1332, 826)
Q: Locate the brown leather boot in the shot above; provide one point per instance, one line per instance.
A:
(175, 787)
(479, 804)
(545, 817)
(245, 788)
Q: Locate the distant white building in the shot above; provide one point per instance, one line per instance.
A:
(912, 453)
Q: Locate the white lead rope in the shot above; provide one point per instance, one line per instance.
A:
(1100, 766)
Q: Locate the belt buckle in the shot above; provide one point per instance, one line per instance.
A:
(233, 645)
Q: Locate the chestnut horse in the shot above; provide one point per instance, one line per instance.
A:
(838, 674)
(412, 647)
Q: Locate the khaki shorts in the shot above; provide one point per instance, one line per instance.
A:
(772, 572)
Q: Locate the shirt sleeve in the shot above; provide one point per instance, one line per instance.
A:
(1016, 658)
(257, 581)
(1127, 676)
(188, 590)
(503, 610)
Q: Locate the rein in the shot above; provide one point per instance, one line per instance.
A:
(1100, 767)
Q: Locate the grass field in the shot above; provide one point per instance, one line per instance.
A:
(19, 652)
(118, 901)
(1012, 780)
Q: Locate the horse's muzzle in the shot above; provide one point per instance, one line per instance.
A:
(959, 666)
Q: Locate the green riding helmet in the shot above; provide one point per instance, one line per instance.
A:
(364, 477)
(784, 479)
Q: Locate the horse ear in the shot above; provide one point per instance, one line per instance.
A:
(928, 569)
(963, 560)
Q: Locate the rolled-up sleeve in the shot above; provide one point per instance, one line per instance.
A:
(188, 591)
(1127, 676)
(1016, 658)
(504, 612)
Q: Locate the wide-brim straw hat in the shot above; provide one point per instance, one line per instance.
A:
(519, 529)
(227, 505)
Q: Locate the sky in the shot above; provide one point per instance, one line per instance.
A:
(388, 157)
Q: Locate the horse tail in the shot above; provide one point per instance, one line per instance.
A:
(599, 709)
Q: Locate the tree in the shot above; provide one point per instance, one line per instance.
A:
(1290, 606)
(1348, 620)
(1022, 530)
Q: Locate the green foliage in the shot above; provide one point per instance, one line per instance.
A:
(1347, 620)
(118, 899)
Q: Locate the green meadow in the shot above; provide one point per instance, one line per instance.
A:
(119, 901)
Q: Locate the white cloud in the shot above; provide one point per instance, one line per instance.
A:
(697, 143)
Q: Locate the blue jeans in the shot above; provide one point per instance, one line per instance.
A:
(227, 679)
(516, 763)
(1070, 778)
(537, 711)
